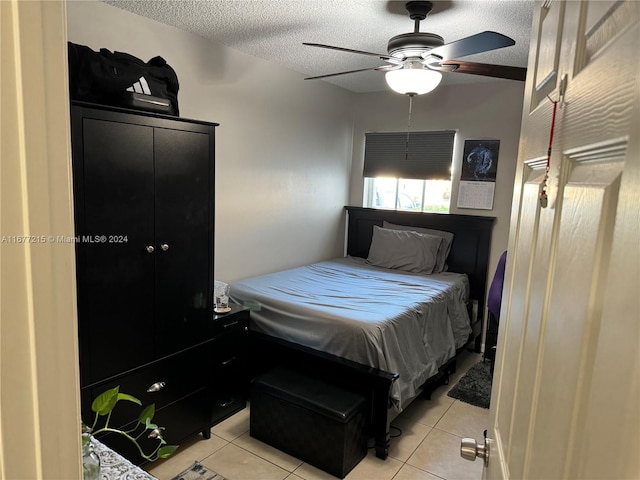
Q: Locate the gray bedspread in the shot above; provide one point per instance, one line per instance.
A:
(400, 322)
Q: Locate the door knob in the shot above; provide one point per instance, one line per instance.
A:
(469, 450)
(164, 247)
(149, 248)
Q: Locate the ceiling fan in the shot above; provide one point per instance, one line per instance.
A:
(416, 60)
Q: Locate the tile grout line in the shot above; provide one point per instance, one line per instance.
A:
(289, 472)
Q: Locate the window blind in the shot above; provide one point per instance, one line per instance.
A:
(428, 155)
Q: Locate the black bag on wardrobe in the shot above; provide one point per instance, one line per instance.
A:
(122, 80)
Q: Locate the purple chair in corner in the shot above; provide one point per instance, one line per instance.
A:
(494, 302)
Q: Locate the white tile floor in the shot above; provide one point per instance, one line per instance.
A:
(428, 449)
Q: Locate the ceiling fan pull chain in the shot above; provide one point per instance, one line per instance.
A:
(406, 147)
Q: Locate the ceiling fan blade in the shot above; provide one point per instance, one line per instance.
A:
(382, 68)
(487, 69)
(481, 42)
(350, 50)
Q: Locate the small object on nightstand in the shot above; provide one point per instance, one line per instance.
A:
(221, 294)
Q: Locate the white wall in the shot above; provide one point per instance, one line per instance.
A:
(283, 148)
(482, 110)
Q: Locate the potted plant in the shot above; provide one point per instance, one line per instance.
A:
(102, 406)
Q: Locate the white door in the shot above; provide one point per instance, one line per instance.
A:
(566, 393)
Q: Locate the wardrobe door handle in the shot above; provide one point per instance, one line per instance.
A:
(156, 387)
(150, 249)
(228, 402)
(164, 247)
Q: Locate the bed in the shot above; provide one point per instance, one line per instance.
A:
(387, 318)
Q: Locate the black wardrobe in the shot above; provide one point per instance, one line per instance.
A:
(144, 216)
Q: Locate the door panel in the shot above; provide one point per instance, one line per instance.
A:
(183, 219)
(529, 254)
(614, 385)
(116, 272)
(604, 20)
(547, 59)
(565, 392)
(585, 227)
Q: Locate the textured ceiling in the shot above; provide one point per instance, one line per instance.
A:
(275, 29)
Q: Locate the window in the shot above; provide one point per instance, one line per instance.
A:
(408, 172)
(407, 194)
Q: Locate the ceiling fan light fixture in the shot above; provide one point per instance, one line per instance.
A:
(413, 81)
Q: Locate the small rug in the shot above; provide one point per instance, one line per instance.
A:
(475, 386)
(198, 472)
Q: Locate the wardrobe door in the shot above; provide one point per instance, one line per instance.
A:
(114, 208)
(184, 237)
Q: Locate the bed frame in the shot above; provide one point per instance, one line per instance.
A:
(469, 254)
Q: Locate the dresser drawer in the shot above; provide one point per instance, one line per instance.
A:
(229, 379)
(238, 317)
(225, 403)
(229, 346)
(162, 383)
(180, 419)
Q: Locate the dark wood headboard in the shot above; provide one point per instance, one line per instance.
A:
(469, 251)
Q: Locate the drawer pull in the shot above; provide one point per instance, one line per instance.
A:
(156, 387)
(230, 324)
(228, 402)
(156, 432)
(227, 362)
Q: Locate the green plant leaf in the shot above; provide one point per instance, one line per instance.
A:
(147, 414)
(148, 425)
(167, 451)
(130, 398)
(106, 401)
(103, 404)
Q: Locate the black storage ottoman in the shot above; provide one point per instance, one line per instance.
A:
(318, 423)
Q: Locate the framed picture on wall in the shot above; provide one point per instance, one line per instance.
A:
(480, 160)
(478, 176)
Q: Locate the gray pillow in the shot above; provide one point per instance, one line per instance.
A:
(445, 246)
(403, 250)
